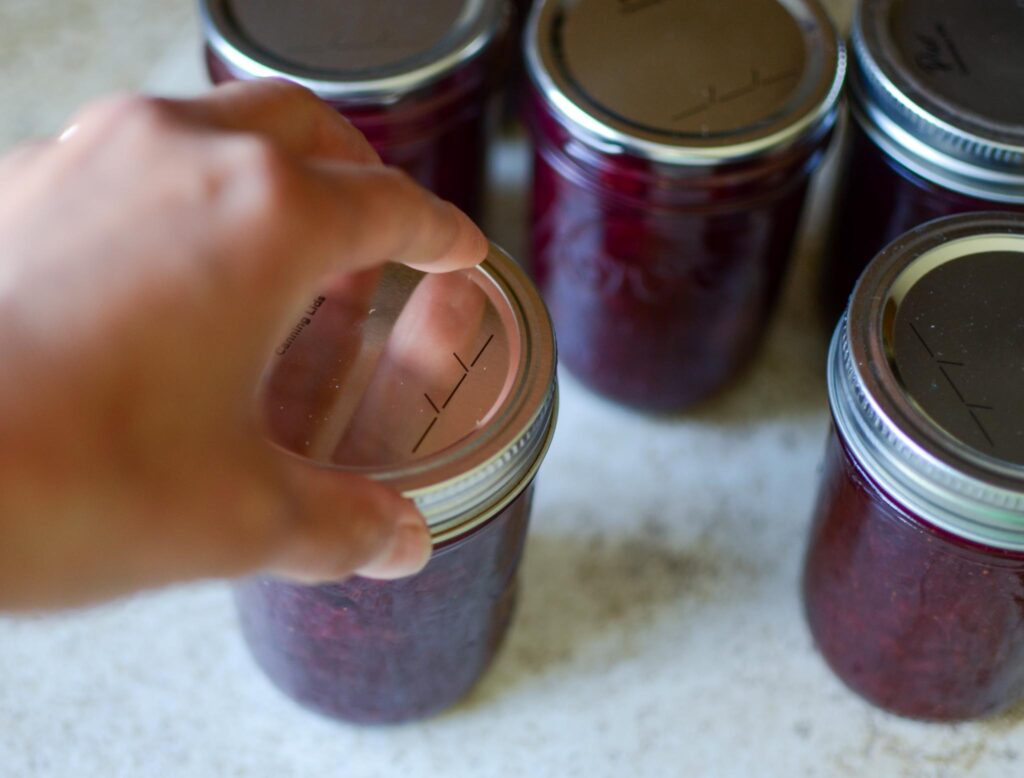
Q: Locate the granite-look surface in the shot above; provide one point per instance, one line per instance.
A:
(660, 631)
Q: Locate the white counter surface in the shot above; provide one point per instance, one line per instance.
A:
(660, 632)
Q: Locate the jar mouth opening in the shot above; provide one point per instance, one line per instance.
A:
(922, 379)
(476, 28)
(647, 127)
(441, 386)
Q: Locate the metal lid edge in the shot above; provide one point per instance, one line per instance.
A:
(609, 140)
(370, 91)
(967, 506)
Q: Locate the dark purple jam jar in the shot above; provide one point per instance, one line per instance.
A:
(415, 78)
(442, 386)
(938, 125)
(914, 577)
(674, 142)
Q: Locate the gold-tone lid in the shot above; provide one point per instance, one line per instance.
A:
(441, 385)
(688, 81)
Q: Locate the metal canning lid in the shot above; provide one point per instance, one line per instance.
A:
(926, 375)
(374, 51)
(687, 82)
(937, 84)
(440, 385)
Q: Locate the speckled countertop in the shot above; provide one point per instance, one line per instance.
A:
(660, 632)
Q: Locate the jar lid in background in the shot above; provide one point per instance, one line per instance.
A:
(938, 85)
(440, 385)
(372, 51)
(693, 83)
(926, 375)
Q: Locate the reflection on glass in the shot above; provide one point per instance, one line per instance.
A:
(388, 366)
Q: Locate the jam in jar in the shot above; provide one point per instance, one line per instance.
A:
(937, 125)
(914, 577)
(415, 78)
(673, 146)
(442, 386)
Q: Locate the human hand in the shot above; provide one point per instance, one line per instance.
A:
(149, 263)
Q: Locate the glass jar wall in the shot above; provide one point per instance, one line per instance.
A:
(378, 652)
(914, 576)
(443, 387)
(673, 149)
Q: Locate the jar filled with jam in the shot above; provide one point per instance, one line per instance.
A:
(674, 143)
(937, 125)
(442, 386)
(415, 78)
(914, 577)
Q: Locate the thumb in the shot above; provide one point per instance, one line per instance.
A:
(345, 524)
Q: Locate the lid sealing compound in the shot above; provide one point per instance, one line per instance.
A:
(926, 375)
(937, 85)
(700, 82)
(440, 385)
(362, 52)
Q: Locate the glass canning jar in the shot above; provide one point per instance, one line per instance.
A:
(674, 142)
(914, 577)
(416, 79)
(442, 386)
(937, 125)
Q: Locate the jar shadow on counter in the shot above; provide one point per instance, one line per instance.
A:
(601, 596)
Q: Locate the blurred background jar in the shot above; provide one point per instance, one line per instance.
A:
(443, 387)
(415, 78)
(914, 577)
(937, 125)
(674, 145)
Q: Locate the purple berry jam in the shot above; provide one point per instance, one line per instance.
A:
(660, 289)
(389, 651)
(914, 576)
(914, 619)
(670, 173)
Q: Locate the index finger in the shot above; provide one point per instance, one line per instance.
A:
(332, 217)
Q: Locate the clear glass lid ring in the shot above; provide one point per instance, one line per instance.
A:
(927, 371)
(441, 385)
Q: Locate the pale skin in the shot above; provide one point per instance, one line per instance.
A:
(150, 259)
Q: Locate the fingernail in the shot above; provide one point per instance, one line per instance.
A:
(407, 552)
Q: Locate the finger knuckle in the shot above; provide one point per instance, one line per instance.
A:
(267, 179)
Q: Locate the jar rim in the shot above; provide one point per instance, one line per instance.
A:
(808, 114)
(912, 455)
(480, 24)
(938, 139)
